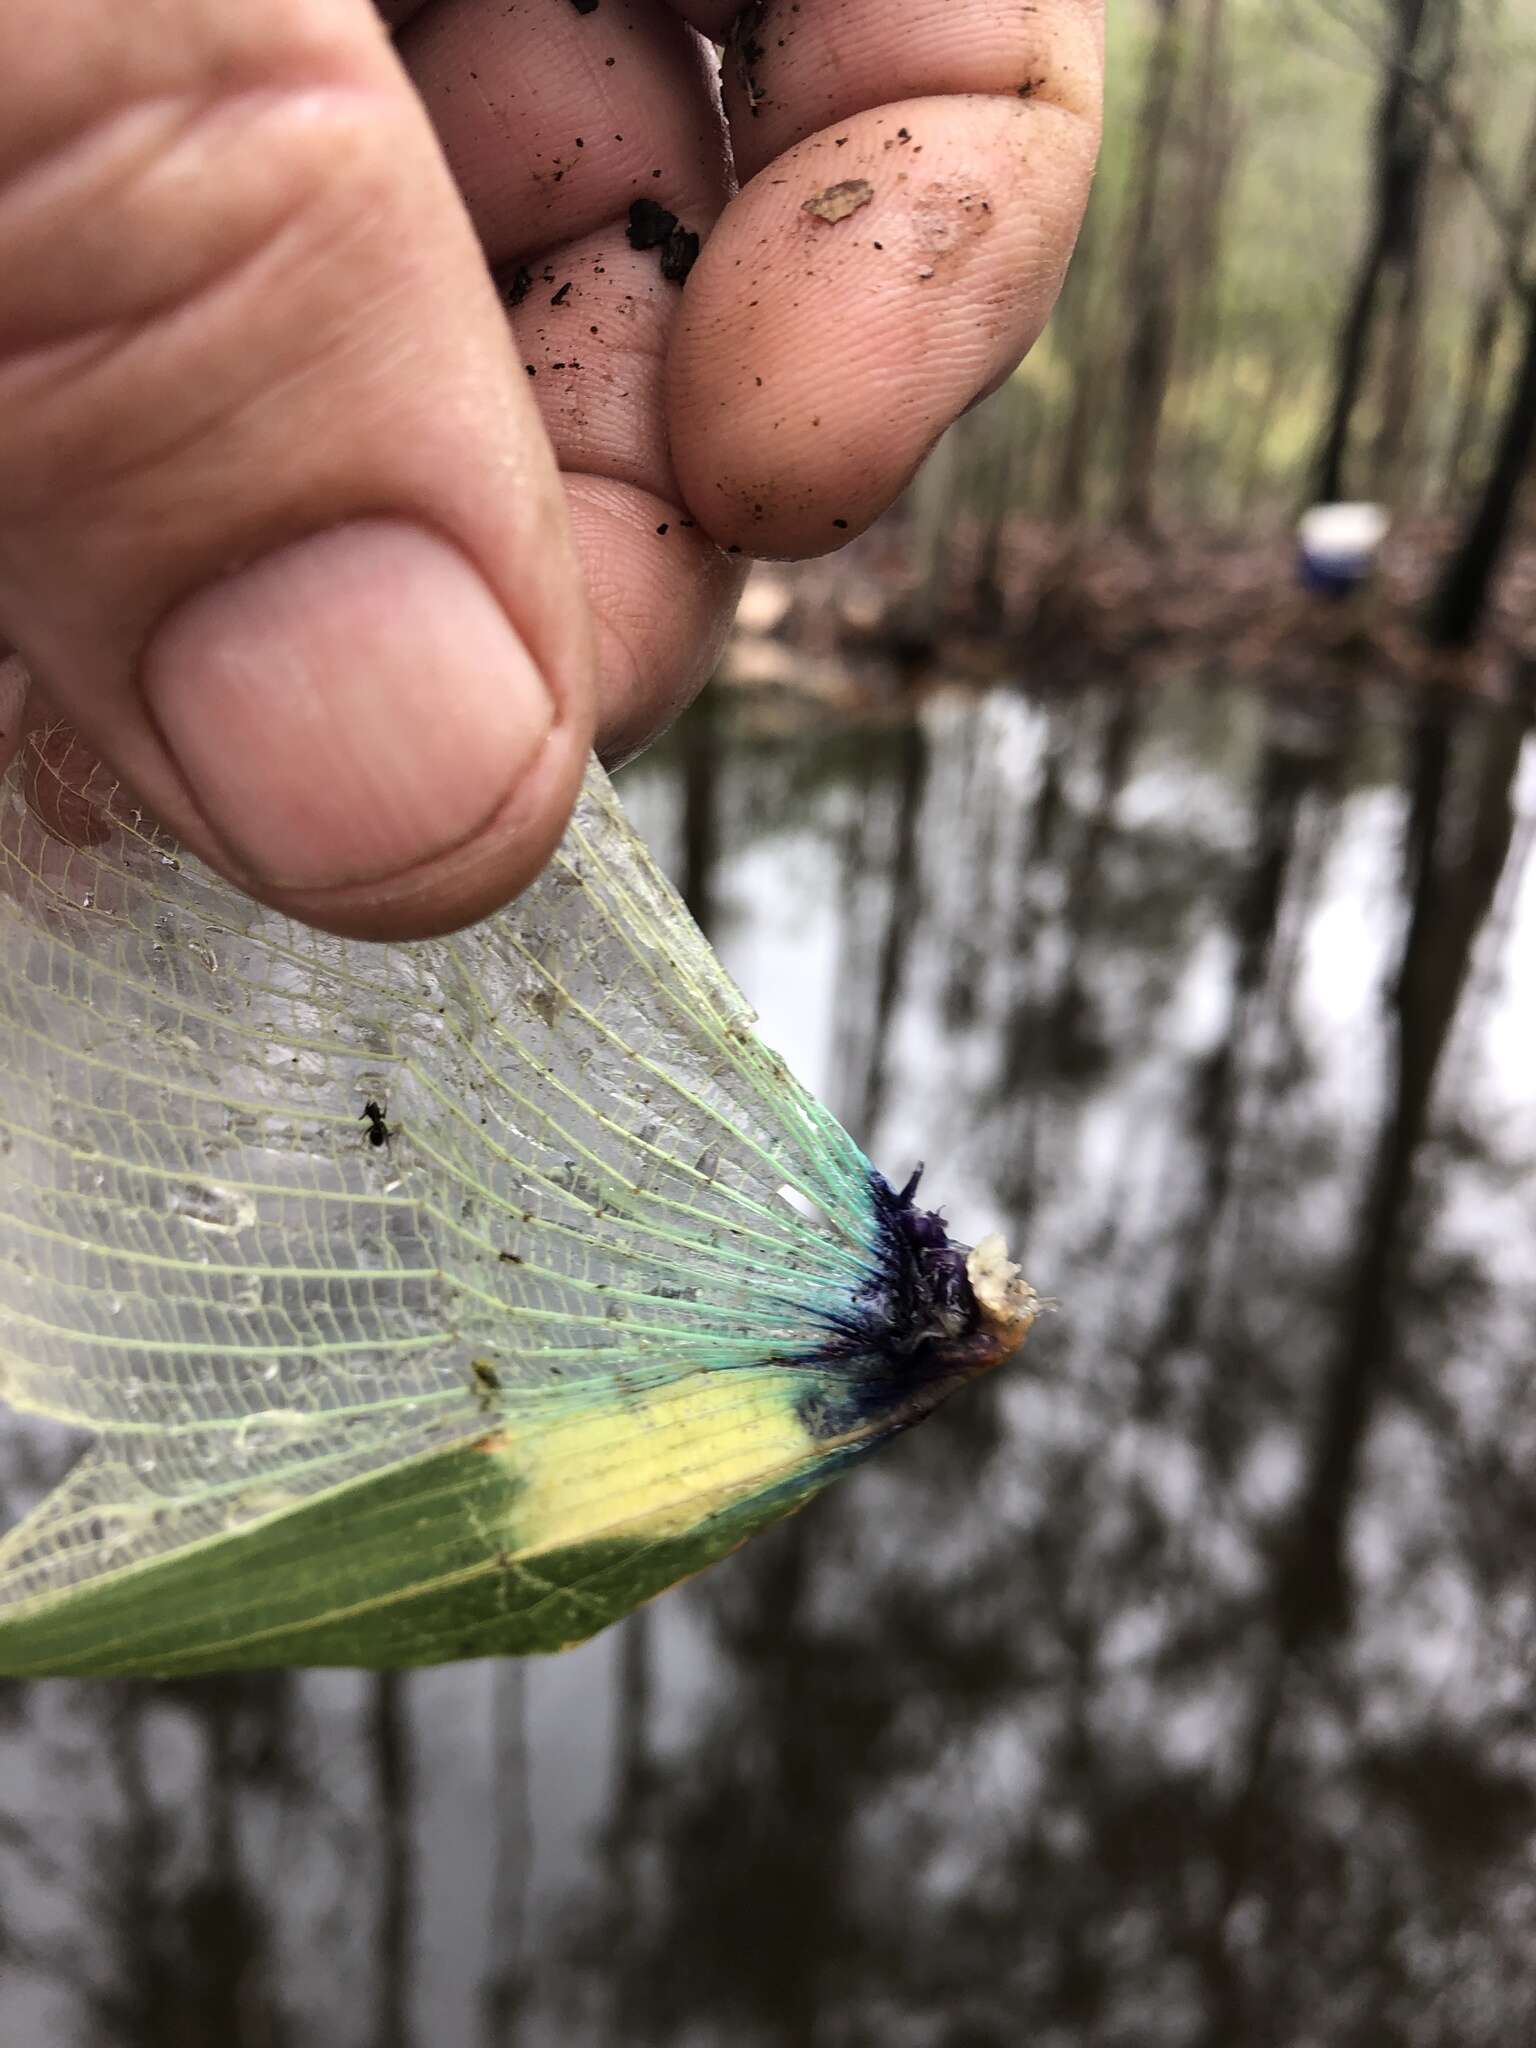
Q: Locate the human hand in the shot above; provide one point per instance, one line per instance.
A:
(343, 584)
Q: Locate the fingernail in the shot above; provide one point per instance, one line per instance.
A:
(348, 707)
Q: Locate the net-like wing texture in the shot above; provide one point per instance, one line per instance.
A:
(583, 1167)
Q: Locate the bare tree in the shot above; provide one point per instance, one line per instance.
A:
(1460, 830)
(390, 1741)
(1079, 331)
(1461, 600)
(1212, 150)
(1489, 314)
(1401, 151)
(1150, 294)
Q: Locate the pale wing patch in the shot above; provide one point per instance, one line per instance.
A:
(205, 1256)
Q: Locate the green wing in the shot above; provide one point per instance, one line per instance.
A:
(478, 1388)
(504, 1546)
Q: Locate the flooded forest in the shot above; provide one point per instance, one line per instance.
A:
(1176, 1688)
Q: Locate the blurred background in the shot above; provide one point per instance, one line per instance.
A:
(1175, 1685)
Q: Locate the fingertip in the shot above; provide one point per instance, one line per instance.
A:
(829, 335)
(465, 883)
(364, 735)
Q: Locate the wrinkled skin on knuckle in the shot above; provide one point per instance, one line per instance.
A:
(78, 78)
(155, 271)
(171, 177)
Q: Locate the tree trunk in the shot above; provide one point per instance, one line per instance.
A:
(932, 503)
(1402, 142)
(901, 920)
(1077, 331)
(699, 737)
(394, 1932)
(504, 1987)
(1461, 829)
(1006, 459)
(1395, 436)
(1208, 181)
(1487, 324)
(1251, 470)
(1150, 295)
(1462, 598)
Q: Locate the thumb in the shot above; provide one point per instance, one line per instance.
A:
(279, 530)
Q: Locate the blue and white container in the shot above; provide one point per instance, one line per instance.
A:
(1339, 546)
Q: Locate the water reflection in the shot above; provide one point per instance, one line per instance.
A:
(1172, 1688)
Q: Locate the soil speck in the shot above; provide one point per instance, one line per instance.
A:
(838, 201)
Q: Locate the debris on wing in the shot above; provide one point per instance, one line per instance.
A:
(621, 1294)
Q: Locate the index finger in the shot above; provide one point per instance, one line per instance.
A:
(916, 176)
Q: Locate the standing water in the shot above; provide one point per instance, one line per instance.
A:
(1176, 1685)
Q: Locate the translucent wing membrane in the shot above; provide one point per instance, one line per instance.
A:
(280, 1213)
